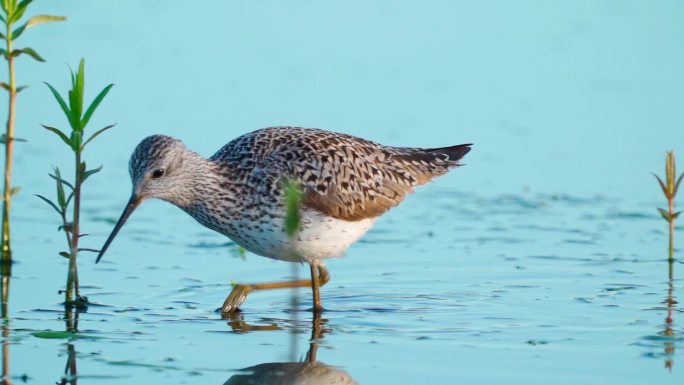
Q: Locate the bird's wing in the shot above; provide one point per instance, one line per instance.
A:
(350, 178)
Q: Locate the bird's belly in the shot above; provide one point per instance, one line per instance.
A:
(319, 237)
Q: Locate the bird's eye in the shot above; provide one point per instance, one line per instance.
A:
(158, 173)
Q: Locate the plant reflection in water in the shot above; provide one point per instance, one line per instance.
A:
(668, 334)
(70, 376)
(5, 328)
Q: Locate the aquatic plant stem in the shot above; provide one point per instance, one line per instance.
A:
(72, 276)
(672, 228)
(670, 187)
(78, 118)
(9, 153)
(68, 297)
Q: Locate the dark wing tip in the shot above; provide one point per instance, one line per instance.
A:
(453, 152)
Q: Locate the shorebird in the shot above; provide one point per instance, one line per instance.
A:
(346, 184)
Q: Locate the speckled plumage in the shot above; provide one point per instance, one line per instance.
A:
(348, 182)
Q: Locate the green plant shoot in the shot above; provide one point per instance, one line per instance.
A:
(11, 15)
(78, 119)
(293, 202)
(670, 187)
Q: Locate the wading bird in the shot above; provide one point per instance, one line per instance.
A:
(346, 184)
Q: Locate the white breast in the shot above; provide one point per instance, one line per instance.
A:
(320, 236)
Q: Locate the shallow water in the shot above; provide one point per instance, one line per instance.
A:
(521, 288)
(541, 261)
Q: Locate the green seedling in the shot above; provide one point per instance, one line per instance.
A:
(68, 193)
(293, 222)
(670, 187)
(293, 202)
(12, 13)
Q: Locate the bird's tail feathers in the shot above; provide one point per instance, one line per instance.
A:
(454, 153)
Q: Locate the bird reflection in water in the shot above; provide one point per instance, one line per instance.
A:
(307, 372)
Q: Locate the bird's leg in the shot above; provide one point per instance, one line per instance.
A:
(319, 277)
(240, 292)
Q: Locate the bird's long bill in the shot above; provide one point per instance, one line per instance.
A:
(130, 207)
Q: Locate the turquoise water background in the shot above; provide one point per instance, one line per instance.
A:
(541, 261)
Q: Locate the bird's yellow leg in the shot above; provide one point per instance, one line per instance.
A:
(319, 275)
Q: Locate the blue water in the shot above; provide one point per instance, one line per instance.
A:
(541, 261)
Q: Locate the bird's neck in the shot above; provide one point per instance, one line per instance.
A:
(192, 175)
(208, 190)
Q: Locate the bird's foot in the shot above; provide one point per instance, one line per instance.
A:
(236, 297)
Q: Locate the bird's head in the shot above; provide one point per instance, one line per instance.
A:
(160, 167)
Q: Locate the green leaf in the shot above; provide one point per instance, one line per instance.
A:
(679, 180)
(293, 195)
(91, 172)
(665, 214)
(28, 51)
(35, 20)
(78, 90)
(63, 253)
(15, 190)
(68, 200)
(96, 102)
(18, 31)
(76, 140)
(41, 19)
(61, 199)
(96, 133)
(5, 6)
(3, 52)
(58, 178)
(59, 133)
(76, 108)
(662, 184)
(2, 35)
(19, 11)
(21, 88)
(54, 206)
(90, 250)
(5, 86)
(60, 335)
(242, 252)
(73, 76)
(48, 334)
(61, 101)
